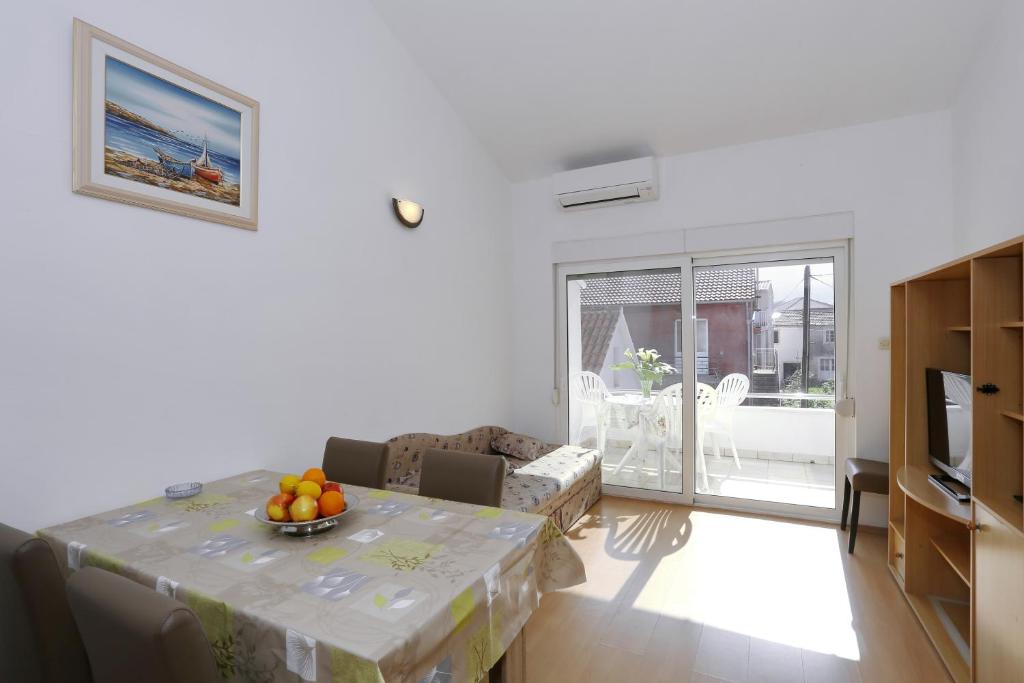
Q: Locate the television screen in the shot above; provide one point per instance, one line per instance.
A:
(949, 422)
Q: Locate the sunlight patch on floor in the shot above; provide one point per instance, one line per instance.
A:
(777, 581)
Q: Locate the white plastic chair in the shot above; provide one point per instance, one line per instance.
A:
(732, 391)
(706, 407)
(590, 391)
(661, 426)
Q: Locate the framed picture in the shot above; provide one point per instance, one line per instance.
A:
(150, 133)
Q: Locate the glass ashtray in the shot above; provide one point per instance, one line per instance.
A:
(186, 490)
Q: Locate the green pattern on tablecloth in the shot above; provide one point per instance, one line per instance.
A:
(217, 622)
(327, 555)
(380, 597)
(401, 554)
(223, 525)
(462, 607)
(347, 668)
(102, 561)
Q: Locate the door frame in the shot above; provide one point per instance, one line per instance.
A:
(845, 433)
(844, 425)
(562, 272)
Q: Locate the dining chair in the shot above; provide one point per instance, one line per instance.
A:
(732, 391)
(473, 478)
(360, 463)
(706, 403)
(39, 640)
(590, 391)
(132, 633)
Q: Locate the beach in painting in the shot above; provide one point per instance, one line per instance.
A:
(156, 132)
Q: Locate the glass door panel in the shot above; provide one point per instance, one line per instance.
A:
(624, 363)
(765, 359)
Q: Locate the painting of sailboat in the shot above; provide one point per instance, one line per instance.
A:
(161, 134)
(150, 133)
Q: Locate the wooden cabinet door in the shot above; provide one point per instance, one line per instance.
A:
(998, 632)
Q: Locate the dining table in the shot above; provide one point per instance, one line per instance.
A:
(403, 588)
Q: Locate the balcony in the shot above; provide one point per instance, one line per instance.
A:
(786, 452)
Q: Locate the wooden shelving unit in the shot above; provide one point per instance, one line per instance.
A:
(961, 566)
(956, 549)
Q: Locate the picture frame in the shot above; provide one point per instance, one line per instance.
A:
(150, 133)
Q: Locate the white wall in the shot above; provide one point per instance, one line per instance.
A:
(988, 136)
(894, 176)
(138, 349)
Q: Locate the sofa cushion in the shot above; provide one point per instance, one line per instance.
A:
(534, 484)
(406, 451)
(518, 446)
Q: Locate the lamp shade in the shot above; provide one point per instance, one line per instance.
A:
(409, 213)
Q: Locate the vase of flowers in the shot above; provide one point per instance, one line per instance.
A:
(649, 370)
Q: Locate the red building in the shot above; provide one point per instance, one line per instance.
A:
(642, 309)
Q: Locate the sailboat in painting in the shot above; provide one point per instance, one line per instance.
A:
(204, 169)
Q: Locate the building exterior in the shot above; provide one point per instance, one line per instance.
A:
(789, 321)
(633, 310)
(739, 328)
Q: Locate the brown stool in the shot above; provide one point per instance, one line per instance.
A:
(862, 475)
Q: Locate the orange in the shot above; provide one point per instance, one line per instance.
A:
(308, 488)
(331, 503)
(315, 474)
(288, 483)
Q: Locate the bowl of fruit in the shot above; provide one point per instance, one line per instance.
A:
(306, 505)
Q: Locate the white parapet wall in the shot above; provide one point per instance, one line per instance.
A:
(800, 434)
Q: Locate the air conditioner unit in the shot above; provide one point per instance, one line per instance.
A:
(635, 180)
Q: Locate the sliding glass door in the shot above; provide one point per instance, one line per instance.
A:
(766, 381)
(712, 380)
(625, 365)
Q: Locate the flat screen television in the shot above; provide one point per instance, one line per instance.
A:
(949, 423)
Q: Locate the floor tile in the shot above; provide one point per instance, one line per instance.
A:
(773, 662)
(821, 474)
(723, 654)
(822, 668)
(787, 471)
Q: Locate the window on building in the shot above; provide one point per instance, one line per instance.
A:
(775, 336)
(827, 364)
(830, 336)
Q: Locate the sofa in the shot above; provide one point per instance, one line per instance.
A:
(562, 483)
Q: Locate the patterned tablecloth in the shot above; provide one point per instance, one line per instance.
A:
(403, 589)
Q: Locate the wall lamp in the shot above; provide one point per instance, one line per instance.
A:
(409, 214)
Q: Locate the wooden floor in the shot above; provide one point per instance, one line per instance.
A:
(687, 594)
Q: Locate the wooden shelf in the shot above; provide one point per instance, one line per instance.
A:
(914, 482)
(1009, 512)
(957, 551)
(964, 317)
(940, 637)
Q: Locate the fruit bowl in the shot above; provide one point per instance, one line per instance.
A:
(311, 527)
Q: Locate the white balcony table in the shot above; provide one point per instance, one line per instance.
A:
(624, 411)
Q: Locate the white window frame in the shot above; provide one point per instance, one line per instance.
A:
(839, 251)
